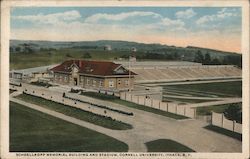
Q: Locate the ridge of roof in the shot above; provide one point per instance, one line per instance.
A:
(103, 68)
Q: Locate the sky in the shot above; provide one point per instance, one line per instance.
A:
(208, 27)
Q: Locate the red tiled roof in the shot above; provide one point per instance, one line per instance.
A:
(101, 68)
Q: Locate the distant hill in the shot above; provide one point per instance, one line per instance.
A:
(144, 51)
(115, 44)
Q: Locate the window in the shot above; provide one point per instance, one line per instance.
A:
(65, 78)
(119, 82)
(111, 83)
(94, 83)
(126, 82)
(88, 81)
(101, 84)
(60, 77)
(81, 79)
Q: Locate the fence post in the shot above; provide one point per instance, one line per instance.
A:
(222, 120)
(144, 100)
(212, 117)
(234, 122)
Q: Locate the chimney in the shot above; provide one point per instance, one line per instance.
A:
(80, 63)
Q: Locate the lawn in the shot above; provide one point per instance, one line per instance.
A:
(222, 89)
(76, 113)
(41, 84)
(43, 58)
(166, 145)
(224, 132)
(132, 105)
(34, 131)
(215, 108)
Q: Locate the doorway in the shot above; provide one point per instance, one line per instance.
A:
(75, 81)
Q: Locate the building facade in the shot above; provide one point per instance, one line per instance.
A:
(99, 75)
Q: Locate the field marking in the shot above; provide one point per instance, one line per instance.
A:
(193, 97)
(228, 101)
(189, 82)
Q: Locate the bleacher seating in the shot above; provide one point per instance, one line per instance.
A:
(181, 73)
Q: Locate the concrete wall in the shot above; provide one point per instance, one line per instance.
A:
(172, 108)
(180, 110)
(220, 121)
(123, 95)
(148, 102)
(228, 124)
(237, 127)
(141, 100)
(217, 119)
(58, 97)
(135, 99)
(158, 104)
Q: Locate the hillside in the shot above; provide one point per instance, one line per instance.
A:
(120, 49)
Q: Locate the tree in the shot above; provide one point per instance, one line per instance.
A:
(68, 55)
(216, 61)
(233, 60)
(86, 55)
(207, 59)
(18, 49)
(234, 112)
(199, 57)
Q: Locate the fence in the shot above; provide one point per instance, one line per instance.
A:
(221, 121)
(157, 104)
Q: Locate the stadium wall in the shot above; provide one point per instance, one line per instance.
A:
(221, 121)
(183, 110)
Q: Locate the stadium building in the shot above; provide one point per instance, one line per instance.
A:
(99, 75)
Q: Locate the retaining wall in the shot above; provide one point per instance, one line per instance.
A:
(221, 121)
(157, 104)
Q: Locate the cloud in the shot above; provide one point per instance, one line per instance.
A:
(119, 17)
(170, 22)
(149, 20)
(141, 26)
(185, 14)
(50, 18)
(220, 15)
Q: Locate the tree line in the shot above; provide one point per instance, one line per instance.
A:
(226, 60)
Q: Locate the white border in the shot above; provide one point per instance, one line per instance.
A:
(5, 36)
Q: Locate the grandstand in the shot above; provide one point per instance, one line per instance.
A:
(151, 71)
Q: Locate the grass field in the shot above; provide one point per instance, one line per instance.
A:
(33, 131)
(132, 105)
(165, 145)
(182, 100)
(220, 89)
(76, 113)
(215, 108)
(43, 58)
(224, 132)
